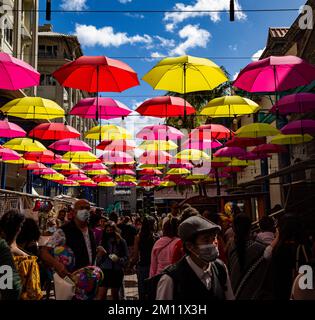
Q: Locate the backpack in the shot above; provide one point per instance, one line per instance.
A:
(151, 284)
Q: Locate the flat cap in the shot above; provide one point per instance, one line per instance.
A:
(194, 225)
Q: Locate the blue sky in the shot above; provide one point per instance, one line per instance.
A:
(156, 34)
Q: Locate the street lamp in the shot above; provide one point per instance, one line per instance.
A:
(232, 10)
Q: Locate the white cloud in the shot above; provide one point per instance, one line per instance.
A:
(73, 5)
(90, 36)
(201, 6)
(165, 43)
(157, 55)
(124, 1)
(195, 37)
(134, 15)
(233, 47)
(235, 76)
(258, 54)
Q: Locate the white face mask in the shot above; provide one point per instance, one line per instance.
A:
(52, 229)
(208, 252)
(83, 215)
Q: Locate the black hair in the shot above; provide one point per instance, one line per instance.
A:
(170, 227)
(94, 220)
(147, 228)
(267, 224)
(10, 224)
(29, 232)
(113, 216)
(187, 213)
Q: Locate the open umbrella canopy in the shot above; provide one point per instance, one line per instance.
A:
(201, 144)
(240, 163)
(291, 139)
(120, 172)
(107, 184)
(152, 166)
(97, 74)
(68, 183)
(31, 108)
(178, 171)
(303, 102)
(116, 157)
(108, 132)
(55, 177)
(245, 142)
(72, 145)
(88, 184)
(20, 161)
(10, 130)
(229, 106)
(232, 169)
(96, 172)
(71, 171)
(167, 184)
(125, 178)
(269, 148)
(257, 130)
(53, 131)
(192, 154)
(185, 74)
(181, 164)
(35, 166)
(197, 177)
(45, 156)
(159, 132)
(44, 171)
(102, 178)
(117, 145)
(150, 172)
(157, 145)
(8, 154)
(65, 166)
(80, 157)
(230, 152)
(165, 107)
(16, 74)
(220, 162)
(300, 127)
(56, 160)
(275, 74)
(24, 144)
(155, 157)
(149, 178)
(210, 131)
(78, 177)
(127, 184)
(105, 108)
(254, 156)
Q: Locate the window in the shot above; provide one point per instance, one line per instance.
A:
(48, 51)
(47, 80)
(8, 33)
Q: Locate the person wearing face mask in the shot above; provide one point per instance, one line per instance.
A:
(75, 235)
(199, 275)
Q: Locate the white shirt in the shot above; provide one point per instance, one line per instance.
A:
(165, 286)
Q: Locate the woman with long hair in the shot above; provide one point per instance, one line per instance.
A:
(112, 258)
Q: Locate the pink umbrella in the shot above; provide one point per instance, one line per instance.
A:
(303, 102)
(126, 184)
(56, 160)
(159, 132)
(254, 156)
(102, 178)
(8, 154)
(150, 172)
(275, 74)
(116, 157)
(181, 165)
(71, 171)
(201, 144)
(108, 108)
(245, 142)
(210, 132)
(35, 166)
(54, 131)
(94, 166)
(77, 177)
(150, 178)
(16, 74)
(269, 148)
(10, 130)
(300, 127)
(155, 157)
(122, 172)
(72, 145)
(230, 152)
(45, 171)
(67, 181)
(117, 145)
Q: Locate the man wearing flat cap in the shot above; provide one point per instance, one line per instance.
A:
(200, 275)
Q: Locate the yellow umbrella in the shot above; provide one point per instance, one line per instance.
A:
(210, 179)
(291, 139)
(158, 145)
(125, 178)
(108, 132)
(167, 184)
(107, 184)
(80, 157)
(256, 130)
(97, 172)
(197, 177)
(221, 159)
(185, 74)
(33, 108)
(21, 161)
(24, 144)
(152, 166)
(240, 163)
(192, 155)
(56, 176)
(179, 171)
(229, 106)
(65, 166)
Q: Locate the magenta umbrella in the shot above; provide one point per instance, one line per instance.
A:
(181, 165)
(155, 157)
(44, 171)
(71, 145)
(108, 108)
(116, 157)
(230, 152)
(126, 184)
(159, 132)
(94, 166)
(150, 178)
(275, 74)
(303, 102)
(201, 144)
(254, 156)
(56, 160)
(122, 172)
(8, 154)
(300, 127)
(269, 148)
(78, 177)
(16, 74)
(10, 130)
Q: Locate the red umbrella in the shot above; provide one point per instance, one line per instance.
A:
(35, 166)
(269, 148)
(53, 131)
(117, 145)
(71, 171)
(245, 142)
(211, 131)
(165, 107)
(45, 156)
(232, 169)
(10, 130)
(44, 171)
(149, 172)
(102, 178)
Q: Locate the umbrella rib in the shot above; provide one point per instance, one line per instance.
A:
(196, 68)
(172, 67)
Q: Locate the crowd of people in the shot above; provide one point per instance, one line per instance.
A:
(180, 255)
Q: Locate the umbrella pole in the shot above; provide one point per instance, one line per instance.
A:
(3, 175)
(185, 111)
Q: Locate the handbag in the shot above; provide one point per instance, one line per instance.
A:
(64, 287)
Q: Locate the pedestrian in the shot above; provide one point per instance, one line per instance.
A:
(112, 258)
(199, 275)
(267, 230)
(62, 218)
